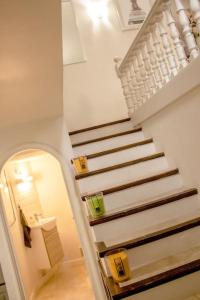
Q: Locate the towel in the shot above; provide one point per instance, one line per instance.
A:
(26, 229)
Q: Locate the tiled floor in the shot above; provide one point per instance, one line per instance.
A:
(71, 282)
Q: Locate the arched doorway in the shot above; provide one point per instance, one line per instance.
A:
(39, 219)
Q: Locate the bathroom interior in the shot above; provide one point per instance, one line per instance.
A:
(42, 229)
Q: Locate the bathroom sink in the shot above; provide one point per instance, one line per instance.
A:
(45, 223)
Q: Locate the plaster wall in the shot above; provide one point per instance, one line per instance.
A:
(176, 129)
(48, 135)
(30, 60)
(92, 91)
(54, 200)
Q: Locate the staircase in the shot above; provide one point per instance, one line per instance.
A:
(150, 211)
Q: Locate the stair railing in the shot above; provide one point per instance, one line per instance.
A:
(164, 46)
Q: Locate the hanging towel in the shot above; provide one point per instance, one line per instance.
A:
(26, 230)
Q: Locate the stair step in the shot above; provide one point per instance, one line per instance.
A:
(135, 225)
(150, 236)
(119, 166)
(134, 183)
(155, 274)
(99, 126)
(121, 138)
(125, 173)
(107, 137)
(126, 154)
(108, 129)
(137, 209)
(118, 149)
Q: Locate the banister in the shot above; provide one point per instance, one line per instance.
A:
(164, 46)
(141, 31)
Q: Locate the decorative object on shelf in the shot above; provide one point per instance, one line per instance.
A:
(95, 204)
(119, 265)
(80, 164)
(132, 13)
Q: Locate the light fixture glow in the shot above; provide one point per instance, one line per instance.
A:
(97, 10)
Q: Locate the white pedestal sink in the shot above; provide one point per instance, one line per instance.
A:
(47, 223)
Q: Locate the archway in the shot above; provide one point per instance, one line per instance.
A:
(24, 189)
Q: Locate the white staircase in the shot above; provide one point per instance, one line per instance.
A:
(150, 211)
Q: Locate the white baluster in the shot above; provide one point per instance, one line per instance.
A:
(125, 86)
(136, 96)
(128, 67)
(160, 54)
(174, 32)
(167, 47)
(127, 92)
(186, 29)
(138, 80)
(144, 87)
(149, 70)
(195, 8)
(156, 73)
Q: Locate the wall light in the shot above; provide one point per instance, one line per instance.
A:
(23, 179)
(22, 175)
(97, 10)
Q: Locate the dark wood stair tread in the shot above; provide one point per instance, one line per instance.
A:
(134, 183)
(119, 166)
(118, 149)
(149, 237)
(142, 207)
(152, 281)
(107, 137)
(99, 126)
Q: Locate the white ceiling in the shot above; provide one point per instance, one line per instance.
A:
(30, 60)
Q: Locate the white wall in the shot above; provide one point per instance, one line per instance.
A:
(54, 200)
(30, 60)
(177, 129)
(92, 91)
(48, 135)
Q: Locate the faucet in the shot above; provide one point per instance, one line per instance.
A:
(38, 216)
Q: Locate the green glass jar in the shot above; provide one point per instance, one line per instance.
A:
(95, 204)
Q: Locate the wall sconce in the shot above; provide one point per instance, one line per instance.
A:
(22, 175)
(23, 179)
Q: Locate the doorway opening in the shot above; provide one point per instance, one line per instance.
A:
(42, 231)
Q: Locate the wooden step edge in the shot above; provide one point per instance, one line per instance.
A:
(152, 281)
(134, 183)
(118, 149)
(140, 208)
(120, 166)
(107, 137)
(150, 237)
(99, 126)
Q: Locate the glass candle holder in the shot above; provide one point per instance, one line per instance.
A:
(118, 264)
(95, 205)
(80, 165)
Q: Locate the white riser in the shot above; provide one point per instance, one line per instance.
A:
(141, 193)
(121, 156)
(97, 133)
(109, 143)
(175, 290)
(123, 175)
(162, 248)
(128, 227)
